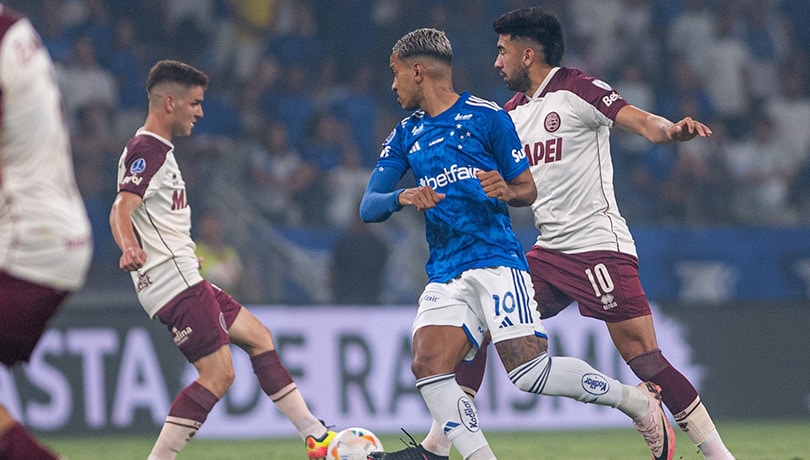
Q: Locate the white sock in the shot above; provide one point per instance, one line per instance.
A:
(713, 448)
(698, 425)
(454, 412)
(436, 442)
(290, 402)
(174, 435)
(576, 379)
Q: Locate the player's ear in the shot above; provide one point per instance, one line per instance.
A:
(418, 71)
(529, 55)
(168, 103)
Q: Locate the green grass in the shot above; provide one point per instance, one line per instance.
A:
(748, 440)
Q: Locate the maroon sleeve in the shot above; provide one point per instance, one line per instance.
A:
(144, 157)
(592, 90)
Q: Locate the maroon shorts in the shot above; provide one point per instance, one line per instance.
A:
(199, 318)
(25, 309)
(605, 284)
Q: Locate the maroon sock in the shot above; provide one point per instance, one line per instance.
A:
(272, 375)
(18, 444)
(193, 403)
(677, 392)
(470, 374)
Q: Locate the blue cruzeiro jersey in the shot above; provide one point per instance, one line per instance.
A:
(467, 229)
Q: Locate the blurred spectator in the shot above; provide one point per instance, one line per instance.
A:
(357, 266)
(293, 101)
(279, 177)
(633, 86)
(347, 182)
(726, 73)
(129, 64)
(790, 111)
(56, 36)
(98, 26)
(219, 262)
(691, 31)
(94, 150)
(253, 27)
(358, 107)
(683, 87)
(763, 170)
(297, 39)
(768, 39)
(84, 82)
(327, 145)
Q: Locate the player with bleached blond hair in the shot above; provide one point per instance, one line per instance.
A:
(470, 166)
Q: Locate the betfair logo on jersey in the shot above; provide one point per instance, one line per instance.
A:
(179, 199)
(449, 176)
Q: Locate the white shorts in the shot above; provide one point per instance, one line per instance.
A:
(499, 300)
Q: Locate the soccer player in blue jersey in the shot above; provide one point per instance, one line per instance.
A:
(469, 164)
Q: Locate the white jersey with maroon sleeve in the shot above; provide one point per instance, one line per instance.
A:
(565, 128)
(45, 235)
(162, 222)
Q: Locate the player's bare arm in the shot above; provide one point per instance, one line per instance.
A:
(658, 129)
(520, 191)
(132, 256)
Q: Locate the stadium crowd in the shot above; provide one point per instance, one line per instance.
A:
(299, 102)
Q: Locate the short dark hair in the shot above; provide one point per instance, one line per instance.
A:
(424, 42)
(537, 25)
(175, 72)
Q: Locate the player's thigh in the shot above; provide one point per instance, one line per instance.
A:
(634, 336)
(25, 310)
(605, 284)
(438, 350)
(195, 321)
(250, 334)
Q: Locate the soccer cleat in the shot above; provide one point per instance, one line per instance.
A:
(409, 453)
(414, 451)
(654, 426)
(317, 447)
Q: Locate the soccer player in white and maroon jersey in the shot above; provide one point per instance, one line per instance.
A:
(45, 236)
(151, 223)
(585, 251)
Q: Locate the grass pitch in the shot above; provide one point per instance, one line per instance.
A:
(774, 440)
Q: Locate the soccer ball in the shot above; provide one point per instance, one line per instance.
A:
(353, 444)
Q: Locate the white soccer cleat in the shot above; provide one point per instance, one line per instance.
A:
(654, 426)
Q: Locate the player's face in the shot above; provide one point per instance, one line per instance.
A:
(187, 109)
(404, 83)
(511, 64)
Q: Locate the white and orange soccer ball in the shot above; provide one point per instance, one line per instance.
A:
(353, 444)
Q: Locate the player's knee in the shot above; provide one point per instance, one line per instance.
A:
(648, 365)
(217, 378)
(531, 376)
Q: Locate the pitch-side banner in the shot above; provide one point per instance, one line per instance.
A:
(116, 371)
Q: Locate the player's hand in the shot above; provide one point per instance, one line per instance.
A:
(687, 129)
(422, 198)
(494, 185)
(132, 259)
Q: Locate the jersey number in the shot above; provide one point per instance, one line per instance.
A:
(600, 279)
